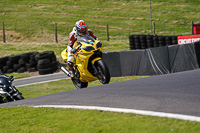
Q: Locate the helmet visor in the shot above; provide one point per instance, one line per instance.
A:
(82, 31)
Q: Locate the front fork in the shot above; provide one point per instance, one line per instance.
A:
(95, 69)
(13, 93)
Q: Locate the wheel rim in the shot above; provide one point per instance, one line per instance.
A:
(101, 75)
(103, 72)
(76, 82)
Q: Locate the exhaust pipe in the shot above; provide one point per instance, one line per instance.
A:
(65, 70)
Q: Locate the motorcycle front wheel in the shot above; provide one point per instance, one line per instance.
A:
(78, 84)
(19, 97)
(103, 72)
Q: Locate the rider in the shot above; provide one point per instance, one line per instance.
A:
(2, 75)
(78, 31)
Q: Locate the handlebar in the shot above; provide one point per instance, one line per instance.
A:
(75, 49)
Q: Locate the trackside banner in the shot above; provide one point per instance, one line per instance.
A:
(188, 39)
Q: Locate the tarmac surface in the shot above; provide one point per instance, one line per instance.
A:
(177, 93)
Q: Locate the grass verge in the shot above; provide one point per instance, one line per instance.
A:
(33, 21)
(49, 120)
(27, 119)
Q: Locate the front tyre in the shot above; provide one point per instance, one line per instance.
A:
(103, 72)
(19, 97)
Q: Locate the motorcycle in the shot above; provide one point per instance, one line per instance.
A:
(8, 92)
(88, 63)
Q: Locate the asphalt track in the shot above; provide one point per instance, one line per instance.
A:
(39, 79)
(177, 93)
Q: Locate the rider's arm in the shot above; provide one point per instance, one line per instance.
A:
(3, 75)
(91, 34)
(72, 39)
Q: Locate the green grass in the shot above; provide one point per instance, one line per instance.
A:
(20, 75)
(50, 120)
(13, 49)
(28, 119)
(33, 21)
(29, 27)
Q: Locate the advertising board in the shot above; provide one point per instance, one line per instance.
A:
(188, 39)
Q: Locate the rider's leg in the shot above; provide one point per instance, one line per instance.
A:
(70, 63)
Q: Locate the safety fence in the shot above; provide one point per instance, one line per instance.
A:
(20, 32)
(154, 61)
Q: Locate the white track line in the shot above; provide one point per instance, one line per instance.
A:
(40, 82)
(38, 76)
(141, 112)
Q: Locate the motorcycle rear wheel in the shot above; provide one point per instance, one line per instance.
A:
(3, 100)
(78, 84)
(103, 72)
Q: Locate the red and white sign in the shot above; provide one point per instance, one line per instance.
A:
(188, 39)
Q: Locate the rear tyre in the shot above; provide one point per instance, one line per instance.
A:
(103, 72)
(78, 84)
(3, 100)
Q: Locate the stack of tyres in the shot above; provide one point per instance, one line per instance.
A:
(168, 40)
(137, 42)
(47, 63)
(155, 41)
(161, 41)
(174, 40)
(150, 41)
(143, 40)
(32, 66)
(3, 66)
(12, 63)
(27, 62)
(132, 42)
(19, 63)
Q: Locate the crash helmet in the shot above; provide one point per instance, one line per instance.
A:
(81, 27)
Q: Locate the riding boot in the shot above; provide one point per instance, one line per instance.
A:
(71, 70)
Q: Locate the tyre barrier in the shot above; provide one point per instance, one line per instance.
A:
(44, 62)
(150, 41)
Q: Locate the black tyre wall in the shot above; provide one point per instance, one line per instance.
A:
(29, 62)
(149, 41)
(47, 63)
(132, 42)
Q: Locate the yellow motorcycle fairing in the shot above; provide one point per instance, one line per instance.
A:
(86, 55)
(64, 55)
